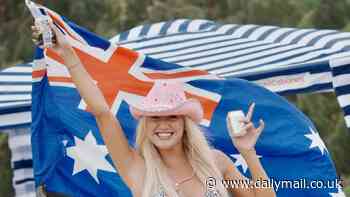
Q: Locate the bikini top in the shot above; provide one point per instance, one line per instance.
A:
(208, 193)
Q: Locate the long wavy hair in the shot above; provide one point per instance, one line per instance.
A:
(197, 151)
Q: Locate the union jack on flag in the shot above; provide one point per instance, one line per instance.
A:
(69, 155)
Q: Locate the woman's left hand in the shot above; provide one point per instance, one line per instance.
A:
(248, 140)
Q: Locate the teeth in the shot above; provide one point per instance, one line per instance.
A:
(164, 135)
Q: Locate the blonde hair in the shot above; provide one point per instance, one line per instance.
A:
(197, 151)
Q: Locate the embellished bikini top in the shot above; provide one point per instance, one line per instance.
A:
(210, 192)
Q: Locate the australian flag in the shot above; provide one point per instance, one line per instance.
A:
(69, 154)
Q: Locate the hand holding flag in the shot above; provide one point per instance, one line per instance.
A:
(61, 45)
(42, 22)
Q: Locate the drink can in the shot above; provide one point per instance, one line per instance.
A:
(233, 119)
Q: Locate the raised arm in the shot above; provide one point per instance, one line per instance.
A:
(109, 126)
(122, 154)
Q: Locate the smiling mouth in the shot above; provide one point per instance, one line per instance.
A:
(164, 135)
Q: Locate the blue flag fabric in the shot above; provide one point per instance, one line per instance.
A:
(69, 155)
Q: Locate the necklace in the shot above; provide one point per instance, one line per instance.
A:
(177, 184)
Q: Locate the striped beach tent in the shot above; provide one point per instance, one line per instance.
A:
(15, 119)
(284, 60)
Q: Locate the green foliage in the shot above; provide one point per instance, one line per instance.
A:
(159, 10)
(306, 20)
(347, 27)
(5, 168)
(14, 24)
(331, 14)
(347, 191)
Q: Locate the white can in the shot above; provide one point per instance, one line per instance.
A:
(233, 121)
(41, 20)
(44, 27)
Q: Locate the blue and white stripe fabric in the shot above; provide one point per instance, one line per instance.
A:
(21, 161)
(341, 84)
(15, 120)
(15, 96)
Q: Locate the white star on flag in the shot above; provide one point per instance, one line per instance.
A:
(65, 142)
(340, 193)
(240, 161)
(90, 156)
(316, 141)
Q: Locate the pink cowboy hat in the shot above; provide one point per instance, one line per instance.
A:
(167, 98)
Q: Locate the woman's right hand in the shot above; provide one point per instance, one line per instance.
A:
(60, 43)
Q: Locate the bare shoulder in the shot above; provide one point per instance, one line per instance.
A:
(219, 155)
(221, 160)
(226, 165)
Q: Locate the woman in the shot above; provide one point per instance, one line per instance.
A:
(171, 157)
